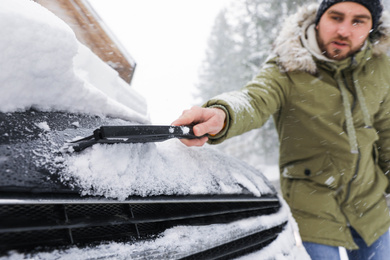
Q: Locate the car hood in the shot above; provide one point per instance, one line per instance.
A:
(34, 158)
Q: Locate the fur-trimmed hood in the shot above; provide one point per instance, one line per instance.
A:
(294, 56)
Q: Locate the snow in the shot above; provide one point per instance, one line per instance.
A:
(237, 100)
(167, 168)
(44, 126)
(44, 67)
(181, 239)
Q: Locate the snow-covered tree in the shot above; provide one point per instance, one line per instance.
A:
(240, 41)
(215, 76)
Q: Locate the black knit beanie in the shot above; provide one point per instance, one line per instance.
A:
(374, 6)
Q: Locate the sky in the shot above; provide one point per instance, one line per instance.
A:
(167, 39)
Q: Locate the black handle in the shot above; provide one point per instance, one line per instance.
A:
(141, 131)
(134, 134)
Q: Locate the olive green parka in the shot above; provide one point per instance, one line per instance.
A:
(333, 121)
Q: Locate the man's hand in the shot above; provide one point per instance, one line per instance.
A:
(205, 121)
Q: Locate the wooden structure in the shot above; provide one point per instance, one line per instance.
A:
(92, 32)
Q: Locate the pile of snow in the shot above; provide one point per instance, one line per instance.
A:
(44, 66)
(167, 168)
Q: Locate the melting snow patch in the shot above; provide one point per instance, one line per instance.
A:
(44, 126)
(76, 124)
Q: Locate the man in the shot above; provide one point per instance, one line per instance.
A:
(328, 90)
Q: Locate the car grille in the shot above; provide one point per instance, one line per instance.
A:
(25, 225)
(241, 246)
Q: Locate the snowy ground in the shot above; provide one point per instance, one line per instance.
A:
(44, 67)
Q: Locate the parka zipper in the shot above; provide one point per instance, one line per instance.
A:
(358, 150)
(349, 189)
(350, 128)
(353, 178)
(353, 105)
(357, 166)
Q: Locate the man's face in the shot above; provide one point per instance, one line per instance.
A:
(343, 29)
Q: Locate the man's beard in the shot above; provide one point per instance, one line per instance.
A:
(336, 53)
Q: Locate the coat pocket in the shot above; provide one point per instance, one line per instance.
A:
(318, 169)
(310, 186)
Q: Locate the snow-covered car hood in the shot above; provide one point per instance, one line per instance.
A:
(36, 143)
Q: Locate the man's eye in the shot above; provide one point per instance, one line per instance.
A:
(357, 22)
(336, 18)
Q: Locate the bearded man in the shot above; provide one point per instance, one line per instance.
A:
(327, 87)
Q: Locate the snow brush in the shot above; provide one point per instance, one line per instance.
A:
(133, 134)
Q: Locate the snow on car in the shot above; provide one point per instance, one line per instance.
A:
(123, 200)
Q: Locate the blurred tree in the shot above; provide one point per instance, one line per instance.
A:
(240, 41)
(215, 75)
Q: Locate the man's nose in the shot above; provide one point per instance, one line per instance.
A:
(345, 30)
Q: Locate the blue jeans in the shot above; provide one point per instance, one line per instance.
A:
(380, 250)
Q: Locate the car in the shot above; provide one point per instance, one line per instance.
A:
(70, 190)
(43, 207)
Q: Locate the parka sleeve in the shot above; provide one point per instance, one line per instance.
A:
(251, 107)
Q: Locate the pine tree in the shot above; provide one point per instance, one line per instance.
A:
(215, 73)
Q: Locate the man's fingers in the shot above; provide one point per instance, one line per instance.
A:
(214, 123)
(205, 128)
(205, 121)
(194, 142)
(188, 117)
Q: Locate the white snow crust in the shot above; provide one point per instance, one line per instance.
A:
(44, 66)
(166, 168)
